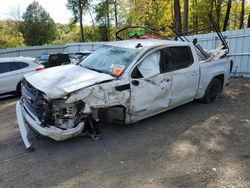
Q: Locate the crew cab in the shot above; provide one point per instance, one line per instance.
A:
(122, 82)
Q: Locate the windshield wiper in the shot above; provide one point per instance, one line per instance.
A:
(97, 70)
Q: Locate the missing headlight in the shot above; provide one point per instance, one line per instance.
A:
(65, 114)
(64, 110)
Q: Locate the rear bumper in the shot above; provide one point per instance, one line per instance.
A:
(26, 118)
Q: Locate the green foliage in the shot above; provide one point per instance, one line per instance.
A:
(92, 33)
(201, 8)
(103, 20)
(158, 15)
(73, 6)
(67, 34)
(38, 27)
(235, 15)
(70, 34)
(78, 8)
(155, 14)
(9, 35)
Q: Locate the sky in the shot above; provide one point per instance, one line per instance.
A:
(56, 8)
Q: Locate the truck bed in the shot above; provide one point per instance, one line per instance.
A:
(211, 69)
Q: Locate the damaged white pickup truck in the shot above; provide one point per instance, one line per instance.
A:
(124, 82)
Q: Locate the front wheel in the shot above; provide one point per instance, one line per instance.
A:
(213, 91)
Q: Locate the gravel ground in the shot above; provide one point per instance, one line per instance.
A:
(195, 145)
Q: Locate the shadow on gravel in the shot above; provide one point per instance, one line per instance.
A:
(125, 153)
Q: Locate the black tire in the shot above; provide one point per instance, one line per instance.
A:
(18, 89)
(213, 91)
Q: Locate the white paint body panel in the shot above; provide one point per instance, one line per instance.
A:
(185, 83)
(210, 70)
(58, 81)
(151, 96)
(9, 80)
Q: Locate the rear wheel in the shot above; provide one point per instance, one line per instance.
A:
(213, 91)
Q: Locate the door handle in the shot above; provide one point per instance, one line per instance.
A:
(135, 82)
(194, 73)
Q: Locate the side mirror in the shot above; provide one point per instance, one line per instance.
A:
(195, 41)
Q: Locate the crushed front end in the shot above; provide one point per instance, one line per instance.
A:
(51, 118)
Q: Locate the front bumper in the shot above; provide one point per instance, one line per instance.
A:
(26, 118)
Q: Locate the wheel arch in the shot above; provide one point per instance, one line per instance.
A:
(214, 89)
(116, 113)
(18, 88)
(221, 77)
(206, 82)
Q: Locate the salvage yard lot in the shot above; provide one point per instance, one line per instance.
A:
(195, 145)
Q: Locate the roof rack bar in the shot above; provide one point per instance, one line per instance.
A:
(216, 28)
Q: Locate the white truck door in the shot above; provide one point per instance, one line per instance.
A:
(150, 89)
(185, 75)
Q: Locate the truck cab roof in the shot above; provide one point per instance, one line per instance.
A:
(140, 44)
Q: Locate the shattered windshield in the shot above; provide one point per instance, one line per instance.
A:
(110, 59)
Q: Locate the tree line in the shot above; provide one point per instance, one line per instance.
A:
(36, 27)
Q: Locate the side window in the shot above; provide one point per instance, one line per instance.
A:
(150, 66)
(22, 65)
(18, 65)
(5, 67)
(181, 57)
(175, 58)
(14, 66)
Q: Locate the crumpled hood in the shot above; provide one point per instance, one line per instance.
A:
(58, 81)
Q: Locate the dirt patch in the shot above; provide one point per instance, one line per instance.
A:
(195, 145)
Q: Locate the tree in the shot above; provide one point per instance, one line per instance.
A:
(15, 18)
(78, 7)
(115, 4)
(37, 27)
(185, 17)
(177, 15)
(15, 14)
(248, 21)
(9, 36)
(218, 11)
(102, 10)
(242, 13)
(154, 14)
(229, 4)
